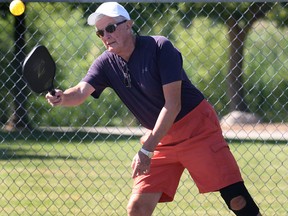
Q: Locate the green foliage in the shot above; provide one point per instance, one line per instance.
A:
(266, 72)
(280, 14)
(204, 46)
(203, 43)
(242, 12)
(6, 57)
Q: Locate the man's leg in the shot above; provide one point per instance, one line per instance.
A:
(239, 200)
(142, 204)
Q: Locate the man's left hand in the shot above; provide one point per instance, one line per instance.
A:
(140, 164)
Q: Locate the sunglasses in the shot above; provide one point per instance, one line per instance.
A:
(110, 29)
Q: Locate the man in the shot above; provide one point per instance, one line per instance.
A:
(184, 132)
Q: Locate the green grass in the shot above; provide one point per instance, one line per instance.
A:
(89, 174)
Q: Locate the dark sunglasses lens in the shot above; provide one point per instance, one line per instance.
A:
(110, 28)
(100, 33)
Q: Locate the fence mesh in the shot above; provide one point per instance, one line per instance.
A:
(76, 161)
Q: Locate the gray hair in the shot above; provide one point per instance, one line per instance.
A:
(117, 19)
(120, 18)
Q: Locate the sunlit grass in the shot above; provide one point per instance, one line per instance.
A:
(94, 178)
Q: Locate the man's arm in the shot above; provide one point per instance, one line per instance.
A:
(167, 116)
(71, 97)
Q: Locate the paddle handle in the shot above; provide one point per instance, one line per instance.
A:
(52, 92)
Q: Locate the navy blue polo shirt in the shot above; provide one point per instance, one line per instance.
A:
(153, 63)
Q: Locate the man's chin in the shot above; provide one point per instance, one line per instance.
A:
(113, 50)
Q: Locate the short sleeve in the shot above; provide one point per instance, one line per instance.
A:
(170, 63)
(96, 77)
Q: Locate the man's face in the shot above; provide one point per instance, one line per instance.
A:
(116, 41)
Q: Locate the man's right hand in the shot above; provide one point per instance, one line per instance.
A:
(55, 100)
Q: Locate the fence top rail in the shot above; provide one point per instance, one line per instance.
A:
(149, 1)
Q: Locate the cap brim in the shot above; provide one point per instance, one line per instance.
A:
(92, 19)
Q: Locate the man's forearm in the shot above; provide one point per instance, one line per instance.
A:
(76, 95)
(72, 97)
(164, 122)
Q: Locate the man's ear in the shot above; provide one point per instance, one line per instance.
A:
(130, 23)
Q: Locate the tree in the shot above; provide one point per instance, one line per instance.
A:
(19, 118)
(239, 18)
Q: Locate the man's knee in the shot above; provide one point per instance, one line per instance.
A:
(239, 200)
(133, 208)
(238, 203)
(143, 204)
(138, 209)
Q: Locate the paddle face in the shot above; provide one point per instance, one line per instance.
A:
(39, 70)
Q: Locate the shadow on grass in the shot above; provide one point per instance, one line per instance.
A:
(72, 136)
(19, 154)
(264, 142)
(15, 143)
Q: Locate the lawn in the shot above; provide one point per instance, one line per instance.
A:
(89, 174)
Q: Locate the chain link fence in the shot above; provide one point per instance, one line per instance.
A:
(76, 161)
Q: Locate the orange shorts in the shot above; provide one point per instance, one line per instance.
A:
(194, 143)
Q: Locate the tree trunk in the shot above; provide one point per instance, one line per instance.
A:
(19, 117)
(237, 37)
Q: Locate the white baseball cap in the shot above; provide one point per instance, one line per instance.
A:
(110, 9)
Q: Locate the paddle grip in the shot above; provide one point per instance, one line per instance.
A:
(52, 92)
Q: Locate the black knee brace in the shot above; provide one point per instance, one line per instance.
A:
(239, 189)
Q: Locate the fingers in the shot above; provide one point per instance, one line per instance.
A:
(134, 161)
(137, 171)
(56, 99)
(140, 170)
(140, 165)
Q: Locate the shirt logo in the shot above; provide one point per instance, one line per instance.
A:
(144, 70)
